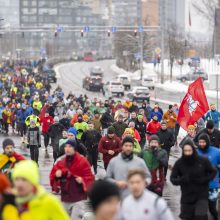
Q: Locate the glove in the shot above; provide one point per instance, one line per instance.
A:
(28, 146)
(39, 146)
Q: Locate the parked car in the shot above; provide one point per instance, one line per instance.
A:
(93, 83)
(139, 93)
(96, 71)
(148, 82)
(51, 75)
(193, 75)
(125, 80)
(114, 88)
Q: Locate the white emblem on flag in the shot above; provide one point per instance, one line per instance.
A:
(192, 104)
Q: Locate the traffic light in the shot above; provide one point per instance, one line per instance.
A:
(135, 33)
(55, 34)
(109, 33)
(82, 33)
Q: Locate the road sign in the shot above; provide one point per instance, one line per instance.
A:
(114, 29)
(137, 56)
(60, 29)
(86, 29)
(140, 29)
(157, 50)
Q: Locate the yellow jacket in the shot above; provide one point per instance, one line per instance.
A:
(38, 105)
(43, 207)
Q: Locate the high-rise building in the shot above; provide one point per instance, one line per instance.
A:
(150, 13)
(172, 12)
(9, 11)
(54, 13)
(123, 12)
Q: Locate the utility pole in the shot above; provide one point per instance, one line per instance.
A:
(162, 40)
(141, 39)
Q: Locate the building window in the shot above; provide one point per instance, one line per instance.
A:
(29, 19)
(49, 11)
(29, 11)
(65, 11)
(49, 4)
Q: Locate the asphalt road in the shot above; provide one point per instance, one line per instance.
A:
(70, 79)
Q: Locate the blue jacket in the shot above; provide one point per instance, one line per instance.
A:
(213, 154)
(159, 115)
(21, 116)
(215, 116)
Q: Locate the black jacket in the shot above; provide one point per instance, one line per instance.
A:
(193, 178)
(119, 128)
(167, 139)
(106, 120)
(214, 137)
(90, 139)
(55, 132)
(141, 128)
(65, 122)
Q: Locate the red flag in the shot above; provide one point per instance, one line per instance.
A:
(194, 105)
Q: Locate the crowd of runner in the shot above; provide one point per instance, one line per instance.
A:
(130, 141)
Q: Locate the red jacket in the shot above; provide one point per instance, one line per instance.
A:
(79, 167)
(137, 135)
(153, 127)
(46, 122)
(106, 144)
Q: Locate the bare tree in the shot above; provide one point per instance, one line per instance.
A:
(127, 47)
(176, 46)
(206, 8)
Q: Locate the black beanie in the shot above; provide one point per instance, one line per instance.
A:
(127, 139)
(170, 106)
(111, 130)
(154, 138)
(72, 143)
(102, 190)
(6, 142)
(210, 124)
(206, 138)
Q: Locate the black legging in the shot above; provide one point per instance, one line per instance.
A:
(213, 209)
(46, 139)
(93, 157)
(34, 153)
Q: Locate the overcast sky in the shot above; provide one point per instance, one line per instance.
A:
(199, 23)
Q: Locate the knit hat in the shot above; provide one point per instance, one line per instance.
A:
(192, 127)
(56, 119)
(72, 143)
(140, 116)
(127, 139)
(129, 130)
(96, 112)
(210, 124)
(154, 138)
(163, 123)
(4, 183)
(205, 137)
(85, 117)
(28, 170)
(111, 130)
(72, 131)
(101, 191)
(7, 142)
(170, 106)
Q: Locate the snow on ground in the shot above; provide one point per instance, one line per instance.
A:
(180, 87)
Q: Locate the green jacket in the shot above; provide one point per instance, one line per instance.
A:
(137, 148)
(81, 128)
(154, 159)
